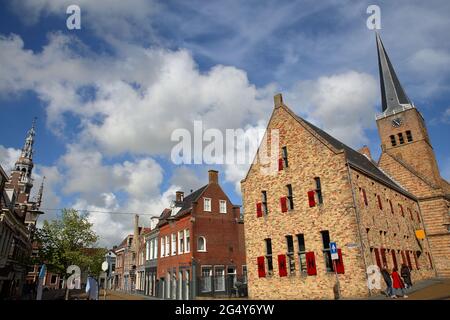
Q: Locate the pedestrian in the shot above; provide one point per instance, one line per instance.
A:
(388, 281)
(397, 284)
(406, 275)
(92, 288)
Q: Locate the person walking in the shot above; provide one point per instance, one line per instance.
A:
(405, 272)
(92, 288)
(397, 284)
(388, 281)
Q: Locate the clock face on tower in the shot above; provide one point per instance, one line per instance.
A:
(397, 122)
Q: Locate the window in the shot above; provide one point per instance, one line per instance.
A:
(392, 207)
(53, 279)
(269, 256)
(207, 204)
(244, 273)
(326, 250)
(302, 253)
(284, 156)
(318, 190)
(409, 136)
(290, 197)
(162, 247)
(290, 253)
(180, 242)
(174, 244)
(155, 244)
(167, 246)
(380, 206)
(264, 202)
(363, 196)
(393, 141)
(400, 138)
(219, 278)
(401, 209)
(201, 244)
(223, 206)
(149, 249)
(205, 284)
(187, 243)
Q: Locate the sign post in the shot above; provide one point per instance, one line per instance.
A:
(105, 267)
(334, 257)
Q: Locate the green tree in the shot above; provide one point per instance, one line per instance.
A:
(67, 241)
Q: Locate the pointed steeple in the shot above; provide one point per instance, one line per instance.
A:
(27, 150)
(393, 97)
(38, 201)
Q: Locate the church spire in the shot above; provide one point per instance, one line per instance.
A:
(393, 97)
(27, 150)
(39, 195)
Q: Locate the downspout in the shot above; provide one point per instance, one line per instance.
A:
(358, 221)
(426, 237)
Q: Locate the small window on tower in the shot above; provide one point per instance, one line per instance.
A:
(393, 141)
(400, 138)
(409, 136)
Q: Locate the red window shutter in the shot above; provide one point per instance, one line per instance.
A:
(377, 257)
(283, 202)
(379, 202)
(339, 263)
(280, 164)
(311, 198)
(409, 260)
(311, 264)
(383, 256)
(282, 265)
(365, 197)
(261, 267)
(392, 208)
(416, 260)
(394, 259)
(259, 209)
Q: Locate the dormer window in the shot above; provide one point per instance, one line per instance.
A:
(207, 204)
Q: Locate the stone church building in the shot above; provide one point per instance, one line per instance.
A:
(390, 212)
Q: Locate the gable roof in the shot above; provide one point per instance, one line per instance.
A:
(357, 160)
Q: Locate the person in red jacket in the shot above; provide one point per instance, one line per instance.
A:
(397, 284)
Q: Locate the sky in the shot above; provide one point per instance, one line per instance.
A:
(109, 95)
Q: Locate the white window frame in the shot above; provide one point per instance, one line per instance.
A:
(174, 244)
(211, 270)
(148, 250)
(216, 278)
(224, 203)
(205, 207)
(155, 242)
(181, 242)
(167, 253)
(187, 241)
(204, 244)
(163, 248)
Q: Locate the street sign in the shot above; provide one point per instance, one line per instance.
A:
(333, 250)
(105, 265)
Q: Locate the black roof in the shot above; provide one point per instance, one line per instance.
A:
(358, 160)
(185, 205)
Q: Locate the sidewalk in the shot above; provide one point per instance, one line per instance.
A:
(121, 295)
(430, 289)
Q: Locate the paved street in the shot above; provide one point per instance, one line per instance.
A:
(433, 289)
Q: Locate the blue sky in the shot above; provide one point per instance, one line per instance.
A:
(108, 96)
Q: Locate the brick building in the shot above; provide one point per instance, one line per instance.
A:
(408, 156)
(18, 218)
(201, 244)
(323, 191)
(124, 274)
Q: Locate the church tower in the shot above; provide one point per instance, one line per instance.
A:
(408, 156)
(401, 126)
(20, 179)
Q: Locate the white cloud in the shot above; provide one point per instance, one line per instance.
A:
(342, 104)
(8, 157)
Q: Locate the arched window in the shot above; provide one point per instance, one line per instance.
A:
(201, 244)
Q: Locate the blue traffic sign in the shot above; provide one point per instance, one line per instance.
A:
(333, 247)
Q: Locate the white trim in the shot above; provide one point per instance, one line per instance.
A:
(220, 206)
(204, 204)
(204, 244)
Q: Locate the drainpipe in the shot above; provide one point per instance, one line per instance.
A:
(358, 221)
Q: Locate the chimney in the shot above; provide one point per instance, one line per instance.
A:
(213, 176)
(179, 196)
(365, 151)
(136, 233)
(278, 100)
